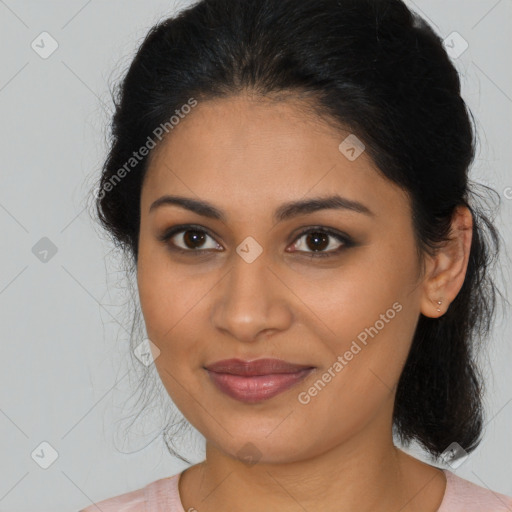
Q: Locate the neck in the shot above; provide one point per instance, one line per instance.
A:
(365, 473)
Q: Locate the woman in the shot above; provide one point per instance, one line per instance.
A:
(290, 180)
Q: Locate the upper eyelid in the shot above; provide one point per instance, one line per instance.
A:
(176, 230)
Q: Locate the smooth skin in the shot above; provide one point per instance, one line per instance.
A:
(247, 156)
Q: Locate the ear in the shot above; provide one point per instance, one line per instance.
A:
(446, 270)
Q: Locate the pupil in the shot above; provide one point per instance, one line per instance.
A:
(194, 238)
(316, 237)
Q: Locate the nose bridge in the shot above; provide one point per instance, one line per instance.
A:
(248, 275)
(251, 299)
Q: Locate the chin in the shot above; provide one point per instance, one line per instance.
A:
(257, 448)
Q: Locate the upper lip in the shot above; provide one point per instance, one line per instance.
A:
(255, 367)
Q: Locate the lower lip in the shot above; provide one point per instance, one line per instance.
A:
(256, 388)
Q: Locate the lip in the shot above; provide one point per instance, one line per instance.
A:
(258, 380)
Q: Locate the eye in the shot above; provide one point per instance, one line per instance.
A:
(189, 239)
(193, 240)
(318, 239)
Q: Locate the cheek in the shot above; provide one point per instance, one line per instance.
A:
(369, 312)
(173, 311)
(165, 292)
(341, 302)
(167, 303)
(155, 296)
(359, 383)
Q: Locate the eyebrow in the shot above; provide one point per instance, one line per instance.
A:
(284, 212)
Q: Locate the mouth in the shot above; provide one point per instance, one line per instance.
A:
(258, 380)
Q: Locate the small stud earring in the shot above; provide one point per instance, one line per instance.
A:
(439, 302)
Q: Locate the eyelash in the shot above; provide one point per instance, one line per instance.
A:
(170, 233)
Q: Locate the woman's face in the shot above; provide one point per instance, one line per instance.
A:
(249, 285)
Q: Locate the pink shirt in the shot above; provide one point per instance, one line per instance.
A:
(163, 496)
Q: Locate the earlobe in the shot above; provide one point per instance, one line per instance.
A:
(434, 307)
(447, 269)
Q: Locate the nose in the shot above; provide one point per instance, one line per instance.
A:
(252, 302)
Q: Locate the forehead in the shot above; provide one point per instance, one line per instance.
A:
(242, 151)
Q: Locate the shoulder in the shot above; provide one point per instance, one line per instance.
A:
(156, 496)
(464, 496)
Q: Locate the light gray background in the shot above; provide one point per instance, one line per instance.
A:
(64, 329)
